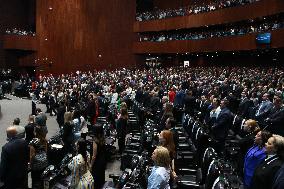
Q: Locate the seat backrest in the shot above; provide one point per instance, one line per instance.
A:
(198, 176)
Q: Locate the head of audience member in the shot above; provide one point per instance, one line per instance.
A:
(224, 103)
(265, 97)
(11, 132)
(275, 145)
(124, 113)
(82, 148)
(243, 95)
(189, 92)
(277, 101)
(41, 119)
(76, 114)
(165, 99)
(38, 111)
(251, 126)
(16, 121)
(99, 134)
(261, 138)
(170, 123)
(168, 107)
(31, 118)
(215, 102)
(203, 98)
(161, 157)
(166, 139)
(123, 105)
(68, 117)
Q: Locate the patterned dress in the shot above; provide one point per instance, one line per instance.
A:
(81, 176)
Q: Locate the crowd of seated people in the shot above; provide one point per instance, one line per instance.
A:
(210, 33)
(16, 31)
(217, 93)
(195, 9)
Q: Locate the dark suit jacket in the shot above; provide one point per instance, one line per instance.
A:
(155, 104)
(222, 124)
(189, 104)
(244, 106)
(276, 120)
(264, 174)
(14, 163)
(279, 179)
(60, 115)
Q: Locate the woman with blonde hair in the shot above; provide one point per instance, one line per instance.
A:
(264, 174)
(160, 175)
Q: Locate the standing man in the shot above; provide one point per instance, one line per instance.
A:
(221, 126)
(275, 119)
(264, 108)
(14, 161)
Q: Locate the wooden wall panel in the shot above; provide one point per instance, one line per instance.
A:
(258, 9)
(232, 43)
(85, 34)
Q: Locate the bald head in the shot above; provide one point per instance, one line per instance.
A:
(11, 132)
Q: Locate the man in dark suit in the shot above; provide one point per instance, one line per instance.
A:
(60, 114)
(275, 118)
(264, 108)
(221, 126)
(14, 161)
(244, 106)
(203, 105)
(189, 103)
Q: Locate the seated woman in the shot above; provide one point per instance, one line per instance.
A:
(264, 174)
(79, 167)
(160, 175)
(255, 155)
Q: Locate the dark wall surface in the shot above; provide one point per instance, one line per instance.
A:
(15, 14)
(83, 35)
